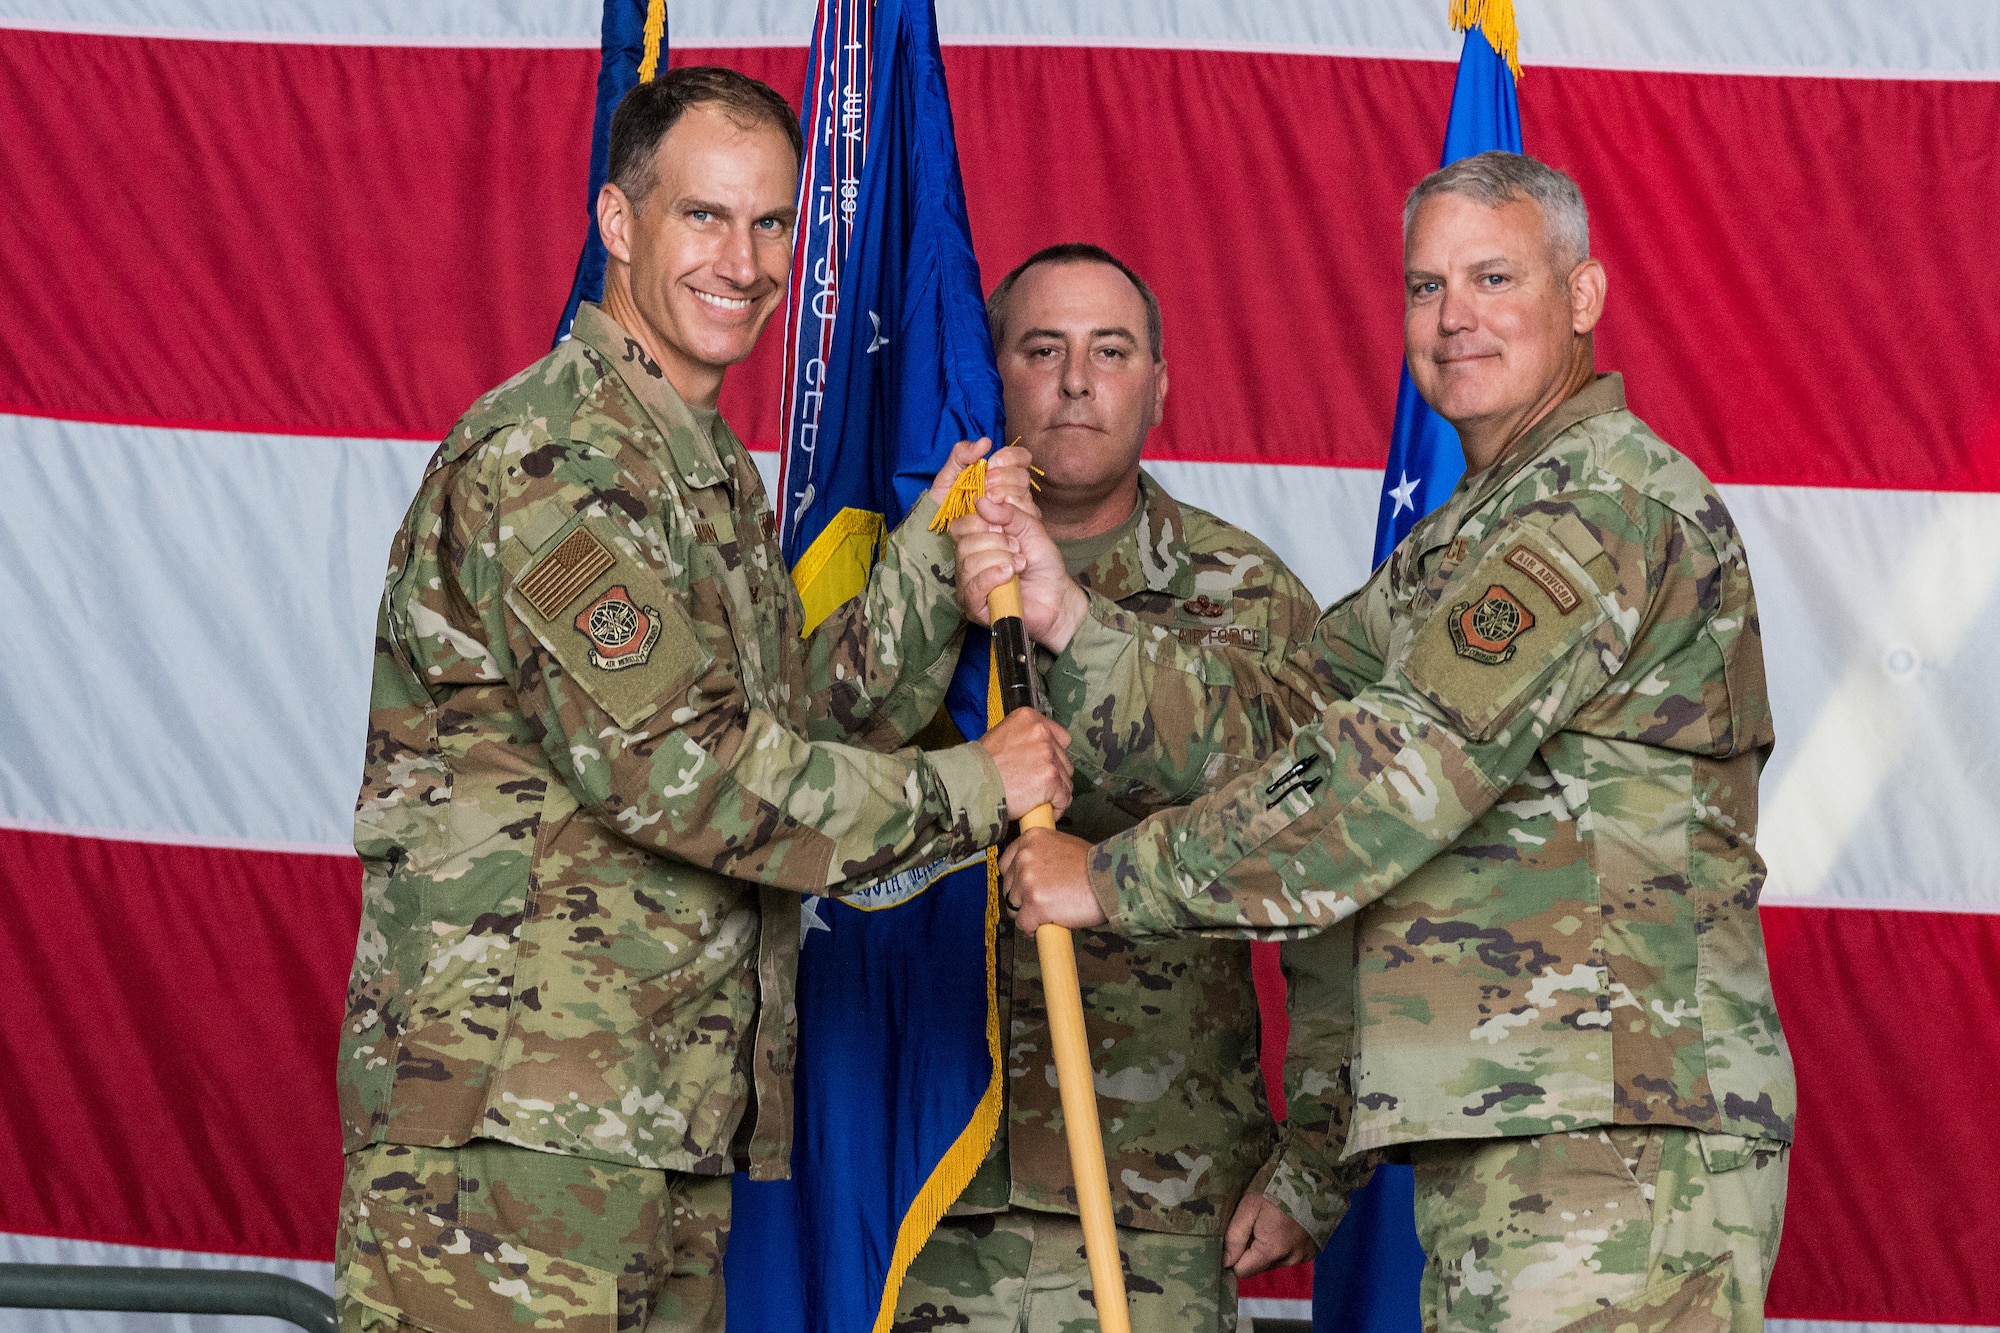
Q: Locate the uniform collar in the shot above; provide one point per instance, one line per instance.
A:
(1604, 393)
(1154, 558)
(692, 448)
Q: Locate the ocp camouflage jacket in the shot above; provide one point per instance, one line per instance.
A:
(1173, 1023)
(595, 732)
(1529, 764)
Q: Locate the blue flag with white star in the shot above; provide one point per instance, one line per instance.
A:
(888, 364)
(1367, 1278)
(1424, 457)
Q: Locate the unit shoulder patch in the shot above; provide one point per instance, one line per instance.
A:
(621, 633)
(1546, 577)
(560, 577)
(1486, 630)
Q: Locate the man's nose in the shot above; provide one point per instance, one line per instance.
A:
(737, 262)
(1455, 313)
(1075, 378)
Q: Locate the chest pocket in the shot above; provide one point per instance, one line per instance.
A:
(618, 631)
(1520, 607)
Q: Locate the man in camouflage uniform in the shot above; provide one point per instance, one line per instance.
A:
(1172, 1024)
(1529, 775)
(601, 768)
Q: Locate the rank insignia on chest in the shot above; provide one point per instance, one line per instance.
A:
(1206, 607)
(621, 632)
(1485, 630)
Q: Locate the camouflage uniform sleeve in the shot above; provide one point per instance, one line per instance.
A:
(1305, 1176)
(1343, 662)
(878, 665)
(1232, 708)
(666, 747)
(1538, 619)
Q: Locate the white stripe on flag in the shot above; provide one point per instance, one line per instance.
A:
(1271, 1307)
(1913, 39)
(19, 1249)
(203, 603)
(191, 615)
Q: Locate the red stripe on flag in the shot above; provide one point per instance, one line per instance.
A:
(352, 239)
(362, 240)
(169, 1040)
(1894, 1211)
(180, 1008)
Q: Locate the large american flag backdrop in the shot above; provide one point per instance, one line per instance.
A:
(256, 256)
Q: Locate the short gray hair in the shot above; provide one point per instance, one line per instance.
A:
(1499, 178)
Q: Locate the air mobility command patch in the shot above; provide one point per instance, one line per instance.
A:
(614, 626)
(1509, 619)
(1485, 630)
(621, 633)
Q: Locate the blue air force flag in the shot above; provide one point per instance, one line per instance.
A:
(635, 49)
(1367, 1278)
(888, 364)
(1424, 458)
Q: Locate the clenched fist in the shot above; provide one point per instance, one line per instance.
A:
(1047, 883)
(1262, 1236)
(999, 541)
(1032, 754)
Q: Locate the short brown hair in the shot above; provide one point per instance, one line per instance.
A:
(651, 109)
(1075, 252)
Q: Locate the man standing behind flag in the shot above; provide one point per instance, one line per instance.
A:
(601, 767)
(1172, 1024)
(1528, 773)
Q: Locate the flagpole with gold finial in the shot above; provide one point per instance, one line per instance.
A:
(1014, 669)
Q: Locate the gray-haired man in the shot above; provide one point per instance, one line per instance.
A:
(1525, 771)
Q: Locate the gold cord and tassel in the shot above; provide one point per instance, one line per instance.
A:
(656, 32)
(1495, 21)
(970, 485)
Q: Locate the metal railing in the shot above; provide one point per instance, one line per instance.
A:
(165, 1291)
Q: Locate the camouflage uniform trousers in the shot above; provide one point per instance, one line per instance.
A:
(1024, 1271)
(1622, 1229)
(490, 1236)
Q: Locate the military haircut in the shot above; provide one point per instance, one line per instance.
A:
(651, 109)
(1076, 252)
(1495, 179)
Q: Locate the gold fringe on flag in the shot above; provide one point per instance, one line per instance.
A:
(961, 1161)
(1495, 21)
(656, 31)
(971, 484)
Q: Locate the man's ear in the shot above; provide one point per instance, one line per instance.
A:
(1160, 396)
(614, 222)
(1586, 296)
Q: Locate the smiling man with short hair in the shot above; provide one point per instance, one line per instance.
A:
(603, 763)
(1525, 770)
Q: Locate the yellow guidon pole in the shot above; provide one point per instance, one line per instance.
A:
(1014, 670)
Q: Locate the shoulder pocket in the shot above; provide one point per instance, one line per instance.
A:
(1503, 625)
(614, 626)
